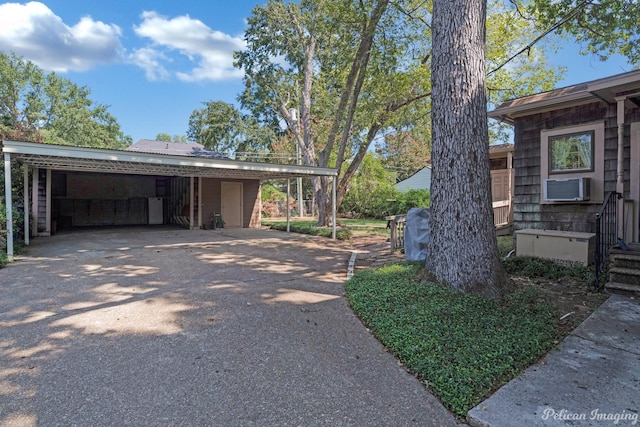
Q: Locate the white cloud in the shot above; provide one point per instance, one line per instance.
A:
(34, 32)
(212, 50)
(150, 61)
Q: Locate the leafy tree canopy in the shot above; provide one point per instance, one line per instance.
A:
(219, 126)
(405, 154)
(357, 70)
(606, 27)
(168, 138)
(36, 106)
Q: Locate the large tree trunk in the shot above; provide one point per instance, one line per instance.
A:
(321, 191)
(463, 251)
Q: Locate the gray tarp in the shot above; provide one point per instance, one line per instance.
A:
(416, 234)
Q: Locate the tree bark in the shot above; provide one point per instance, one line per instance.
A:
(463, 252)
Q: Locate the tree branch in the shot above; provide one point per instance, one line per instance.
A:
(410, 13)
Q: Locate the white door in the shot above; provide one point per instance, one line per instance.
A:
(500, 184)
(231, 198)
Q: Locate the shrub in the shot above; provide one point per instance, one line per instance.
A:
(547, 269)
(413, 199)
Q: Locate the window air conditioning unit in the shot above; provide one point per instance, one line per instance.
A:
(567, 189)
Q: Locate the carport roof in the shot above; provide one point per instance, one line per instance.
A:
(69, 158)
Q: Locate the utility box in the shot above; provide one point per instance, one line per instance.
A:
(557, 245)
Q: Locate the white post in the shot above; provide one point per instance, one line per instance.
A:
(199, 202)
(299, 185)
(8, 202)
(634, 173)
(333, 207)
(620, 167)
(288, 213)
(191, 207)
(35, 183)
(511, 179)
(25, 191)
(47, 205)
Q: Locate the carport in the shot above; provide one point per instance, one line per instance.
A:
(43, 159)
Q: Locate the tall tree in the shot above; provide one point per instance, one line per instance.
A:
(324, 51)
(463, 250)
(604, 27)
(354, 70)
(35, 105)
(220, 127)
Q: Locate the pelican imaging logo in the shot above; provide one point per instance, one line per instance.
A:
(623, 418)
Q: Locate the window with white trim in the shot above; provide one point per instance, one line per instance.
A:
(571, 152)
(574, 152)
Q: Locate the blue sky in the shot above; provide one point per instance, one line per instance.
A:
(154, 62)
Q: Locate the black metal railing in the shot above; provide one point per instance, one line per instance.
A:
(606, 234)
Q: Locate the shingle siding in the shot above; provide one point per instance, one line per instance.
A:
(528, 212)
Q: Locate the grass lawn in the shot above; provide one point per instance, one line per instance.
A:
(462, 347)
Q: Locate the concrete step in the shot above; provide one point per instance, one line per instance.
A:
(625, 287)
(625, 263)
(630, 276)
(625, 260)
(632, 248)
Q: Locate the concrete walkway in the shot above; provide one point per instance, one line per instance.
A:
(174, 327)
(591, 379)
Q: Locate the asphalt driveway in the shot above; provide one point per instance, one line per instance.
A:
(174, 327)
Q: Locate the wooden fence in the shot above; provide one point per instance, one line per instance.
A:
(396, 223)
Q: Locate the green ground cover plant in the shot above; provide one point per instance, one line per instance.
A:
(462, 347)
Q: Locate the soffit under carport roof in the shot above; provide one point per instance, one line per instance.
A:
(69, 158)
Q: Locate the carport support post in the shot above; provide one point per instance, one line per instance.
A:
(333, 207)
(288, 213)
(8, 203)
(191, 207)
(25, 191)
(47, 205)
(200, 223)
(35, 185)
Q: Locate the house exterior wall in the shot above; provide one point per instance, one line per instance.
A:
(529, 212)
(211, 192)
